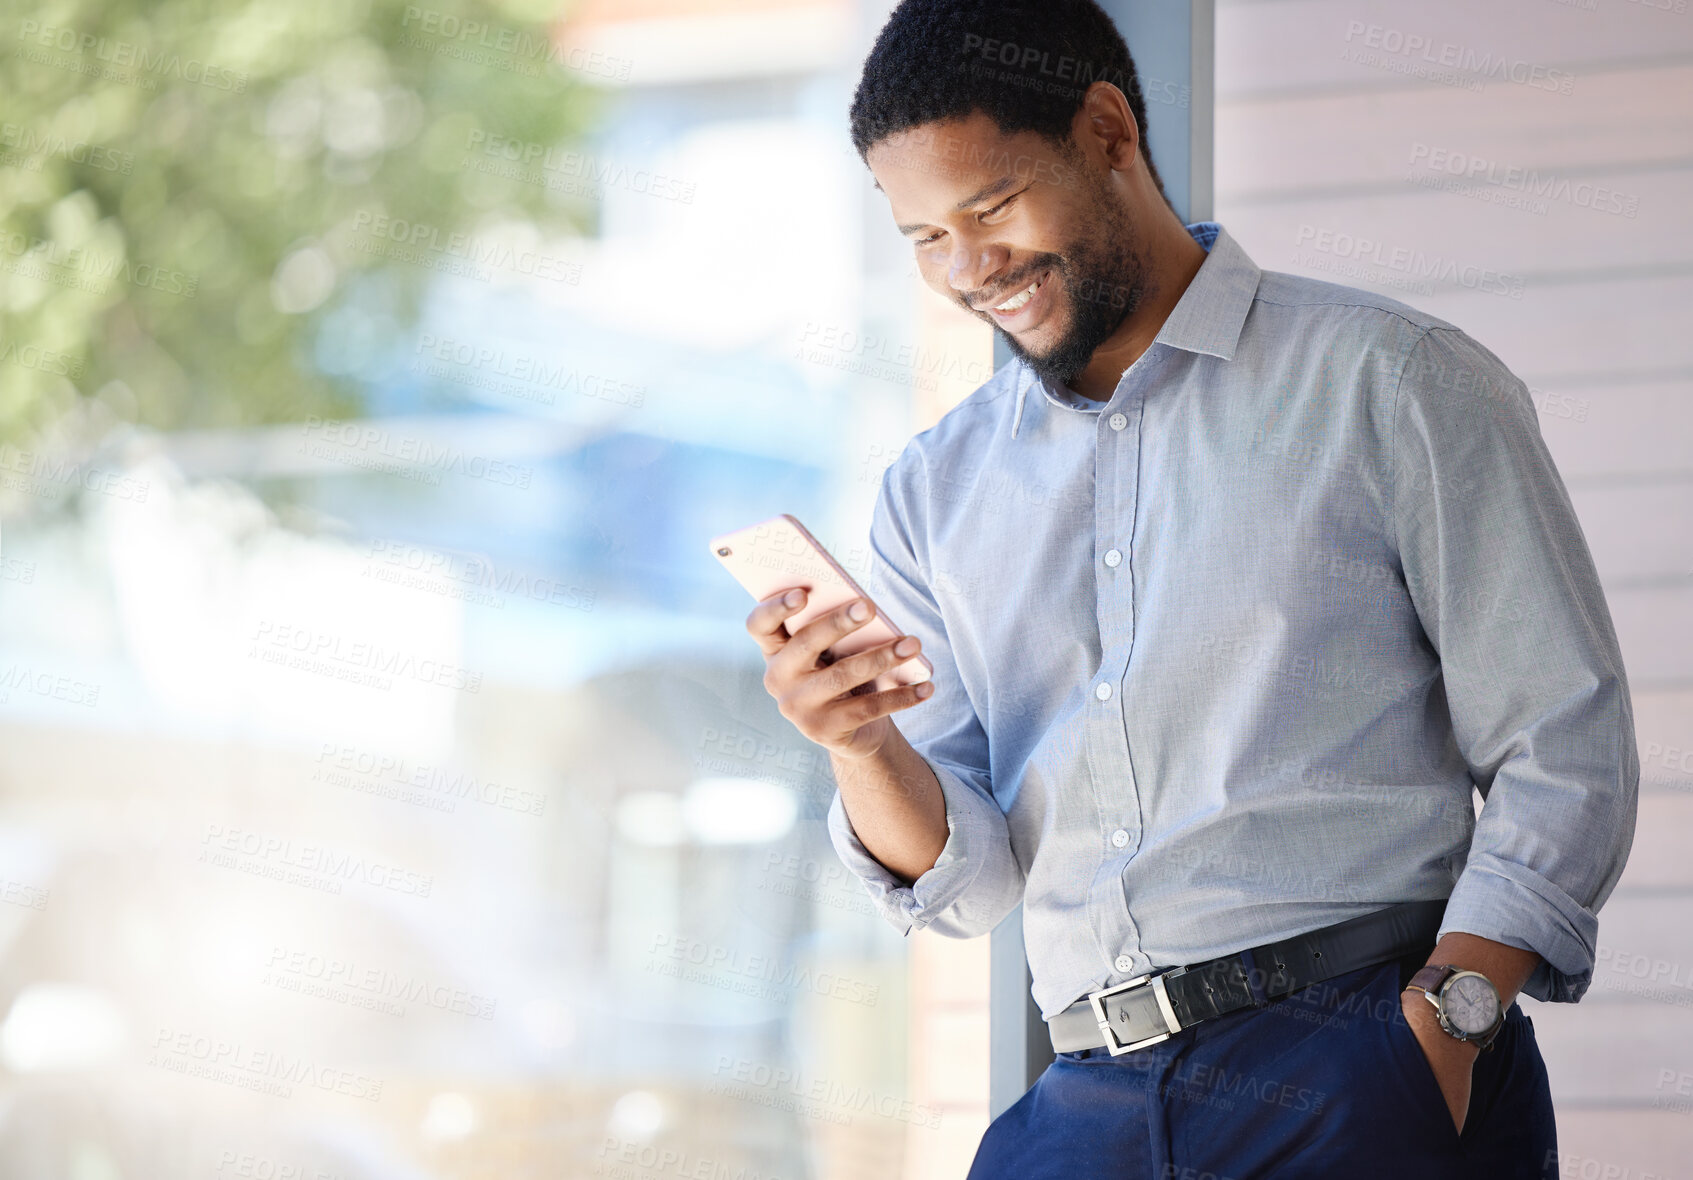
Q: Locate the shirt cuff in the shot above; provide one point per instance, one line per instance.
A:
(942, 897)
(1503, 901)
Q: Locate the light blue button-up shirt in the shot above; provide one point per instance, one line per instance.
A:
(1218, 661)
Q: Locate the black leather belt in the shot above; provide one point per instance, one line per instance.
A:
(1150, 1008)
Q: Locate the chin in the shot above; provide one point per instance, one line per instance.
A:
(1042, 342)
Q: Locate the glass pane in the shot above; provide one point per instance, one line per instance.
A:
(388, 787)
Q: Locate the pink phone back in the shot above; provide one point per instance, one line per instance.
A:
(779, 554)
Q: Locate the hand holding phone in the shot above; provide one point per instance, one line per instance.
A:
(780, 554)
(835, 678)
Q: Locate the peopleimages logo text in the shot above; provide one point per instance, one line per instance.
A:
(1529, 181)
(127, 53)
(1460, 57)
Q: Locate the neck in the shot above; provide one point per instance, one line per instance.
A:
(1173, 258)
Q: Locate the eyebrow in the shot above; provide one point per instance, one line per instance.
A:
(975, 198)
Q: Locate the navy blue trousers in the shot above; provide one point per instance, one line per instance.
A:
(1329, 1082)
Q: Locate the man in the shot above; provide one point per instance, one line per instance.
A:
(1236, 585)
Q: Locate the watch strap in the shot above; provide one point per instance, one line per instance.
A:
(1485, 1041)
(1429, 978)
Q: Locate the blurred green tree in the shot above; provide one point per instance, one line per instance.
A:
(187, 188)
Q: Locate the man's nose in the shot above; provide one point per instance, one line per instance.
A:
(970, 266)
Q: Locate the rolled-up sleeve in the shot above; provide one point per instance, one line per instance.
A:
(1506, 589)
(976, 881)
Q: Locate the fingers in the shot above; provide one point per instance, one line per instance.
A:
(855, 712)
(765, 623)
(821, 633)
(853, 674)
(811, 688)
(831, 701)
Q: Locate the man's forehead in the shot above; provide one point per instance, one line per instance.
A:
(955, 144)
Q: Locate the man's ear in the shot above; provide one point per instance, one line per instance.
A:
(1112, 124)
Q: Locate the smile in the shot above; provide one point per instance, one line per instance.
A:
(1022, 307)
(1018, 300)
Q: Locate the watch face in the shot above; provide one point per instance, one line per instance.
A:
(1471, 1004)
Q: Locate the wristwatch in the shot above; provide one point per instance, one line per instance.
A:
(1466, 1002)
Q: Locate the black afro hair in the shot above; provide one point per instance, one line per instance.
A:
(1023, 63)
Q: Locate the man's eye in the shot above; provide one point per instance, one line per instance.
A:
(935, 237)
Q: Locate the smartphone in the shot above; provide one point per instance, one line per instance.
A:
(779, 554)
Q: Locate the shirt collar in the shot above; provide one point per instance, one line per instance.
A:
(1207, 318)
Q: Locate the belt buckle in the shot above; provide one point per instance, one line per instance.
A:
(1160, 992)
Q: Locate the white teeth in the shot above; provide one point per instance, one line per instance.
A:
(1019, 299)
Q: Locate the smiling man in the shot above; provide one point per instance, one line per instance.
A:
(1236, 585)
(1061, 303)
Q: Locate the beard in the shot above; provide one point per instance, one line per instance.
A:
(1104, 277)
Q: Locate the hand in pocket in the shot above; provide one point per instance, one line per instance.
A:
(1450, 1060)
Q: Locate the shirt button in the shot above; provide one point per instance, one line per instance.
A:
(1120, 838)
(1125, 964)
(1118, 421)
(1113, 558)
(1103, 692)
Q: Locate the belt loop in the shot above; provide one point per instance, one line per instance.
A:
(1254, 979)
